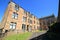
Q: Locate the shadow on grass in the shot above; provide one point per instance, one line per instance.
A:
(52, 34)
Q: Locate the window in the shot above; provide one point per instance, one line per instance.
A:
(16, 7)
(44, 23)
(29, 21)
(14, 15)
(30, 15)
(23, 27)
(25, 12)
(12, 25)
(24, 19)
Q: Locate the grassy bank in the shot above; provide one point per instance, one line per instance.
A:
(22, 36)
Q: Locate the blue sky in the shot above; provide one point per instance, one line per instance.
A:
(39, 8)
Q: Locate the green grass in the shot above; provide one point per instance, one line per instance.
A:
(23, 36)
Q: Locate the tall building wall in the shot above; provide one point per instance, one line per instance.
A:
(19, 18)
(47, 21)
(3, 22)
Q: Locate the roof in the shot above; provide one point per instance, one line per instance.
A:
(47, 17)
(21, 7)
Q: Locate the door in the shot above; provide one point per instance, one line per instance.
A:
(30, 28)
(27, 27)
(23, 27)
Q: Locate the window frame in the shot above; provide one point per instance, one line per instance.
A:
(24, 19)
(23, 27)
(16, 7)
(15, 15)
(13, 25)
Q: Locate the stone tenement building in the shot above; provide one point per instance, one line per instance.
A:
(17, 19)
(45, 22)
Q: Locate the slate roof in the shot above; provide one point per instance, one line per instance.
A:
(48, 17)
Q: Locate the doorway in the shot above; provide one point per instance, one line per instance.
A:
(27, 27)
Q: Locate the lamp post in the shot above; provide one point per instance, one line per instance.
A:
(58, 19)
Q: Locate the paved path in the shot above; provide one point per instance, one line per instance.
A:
(35, 34)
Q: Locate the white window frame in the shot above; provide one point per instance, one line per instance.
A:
(15, 15)
(12, 25)
(24, 19)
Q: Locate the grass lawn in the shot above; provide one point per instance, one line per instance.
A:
(23, 36)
